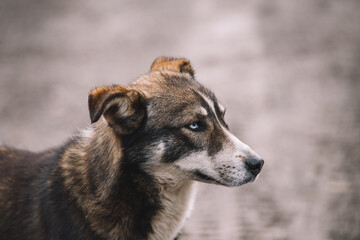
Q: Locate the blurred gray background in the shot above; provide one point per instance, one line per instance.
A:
(288, 72)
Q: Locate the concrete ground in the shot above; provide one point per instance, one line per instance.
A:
(288, 72)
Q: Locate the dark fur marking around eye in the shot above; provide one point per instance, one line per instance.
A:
(200, 126)
(179, 146)
(216, 141)
(217, 136)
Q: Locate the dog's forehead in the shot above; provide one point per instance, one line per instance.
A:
(178, 88)
(158, 83)
(174, 93)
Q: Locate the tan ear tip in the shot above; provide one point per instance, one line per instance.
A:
(181, 65)
(158, 63)
(186, 67)
(162, 59)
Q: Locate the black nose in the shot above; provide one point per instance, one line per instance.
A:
(254, 164)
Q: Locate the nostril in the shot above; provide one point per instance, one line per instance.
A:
(255, 165)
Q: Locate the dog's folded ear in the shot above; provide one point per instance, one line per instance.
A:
(181, 65)
(122, 107)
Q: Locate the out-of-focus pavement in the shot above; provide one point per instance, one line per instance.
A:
(288, 72)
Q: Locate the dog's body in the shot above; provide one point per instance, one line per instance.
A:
(131, 174)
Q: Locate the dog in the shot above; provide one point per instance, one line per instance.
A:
(132, 173)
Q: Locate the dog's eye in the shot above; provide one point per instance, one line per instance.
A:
(196, 126)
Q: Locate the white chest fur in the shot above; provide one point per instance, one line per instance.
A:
(176, 208)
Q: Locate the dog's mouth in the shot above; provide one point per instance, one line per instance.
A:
(200, 176)
(235, 182)
(225, 180)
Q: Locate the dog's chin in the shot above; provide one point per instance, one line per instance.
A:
(224, 181)
(238, 182)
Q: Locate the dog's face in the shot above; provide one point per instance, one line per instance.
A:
(167, 119)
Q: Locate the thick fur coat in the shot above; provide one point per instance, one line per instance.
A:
(130, 175)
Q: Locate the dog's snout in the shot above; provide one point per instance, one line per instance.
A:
(254, 164)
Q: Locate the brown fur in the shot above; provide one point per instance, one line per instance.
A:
(88, 169)
(181, 65)
(127, 176)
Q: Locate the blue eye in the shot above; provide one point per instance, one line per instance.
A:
(194, 126)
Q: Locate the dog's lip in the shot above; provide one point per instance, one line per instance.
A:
(230, 182)
(205, 178)
(245, 181)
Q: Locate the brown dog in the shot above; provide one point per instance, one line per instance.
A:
(131, 174)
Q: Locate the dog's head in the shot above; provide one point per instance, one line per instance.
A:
(166, 119)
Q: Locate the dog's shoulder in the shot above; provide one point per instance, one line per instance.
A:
(13, 154)
(13, 160)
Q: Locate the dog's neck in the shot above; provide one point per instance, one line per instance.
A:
(151, 204)
(177, 198)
